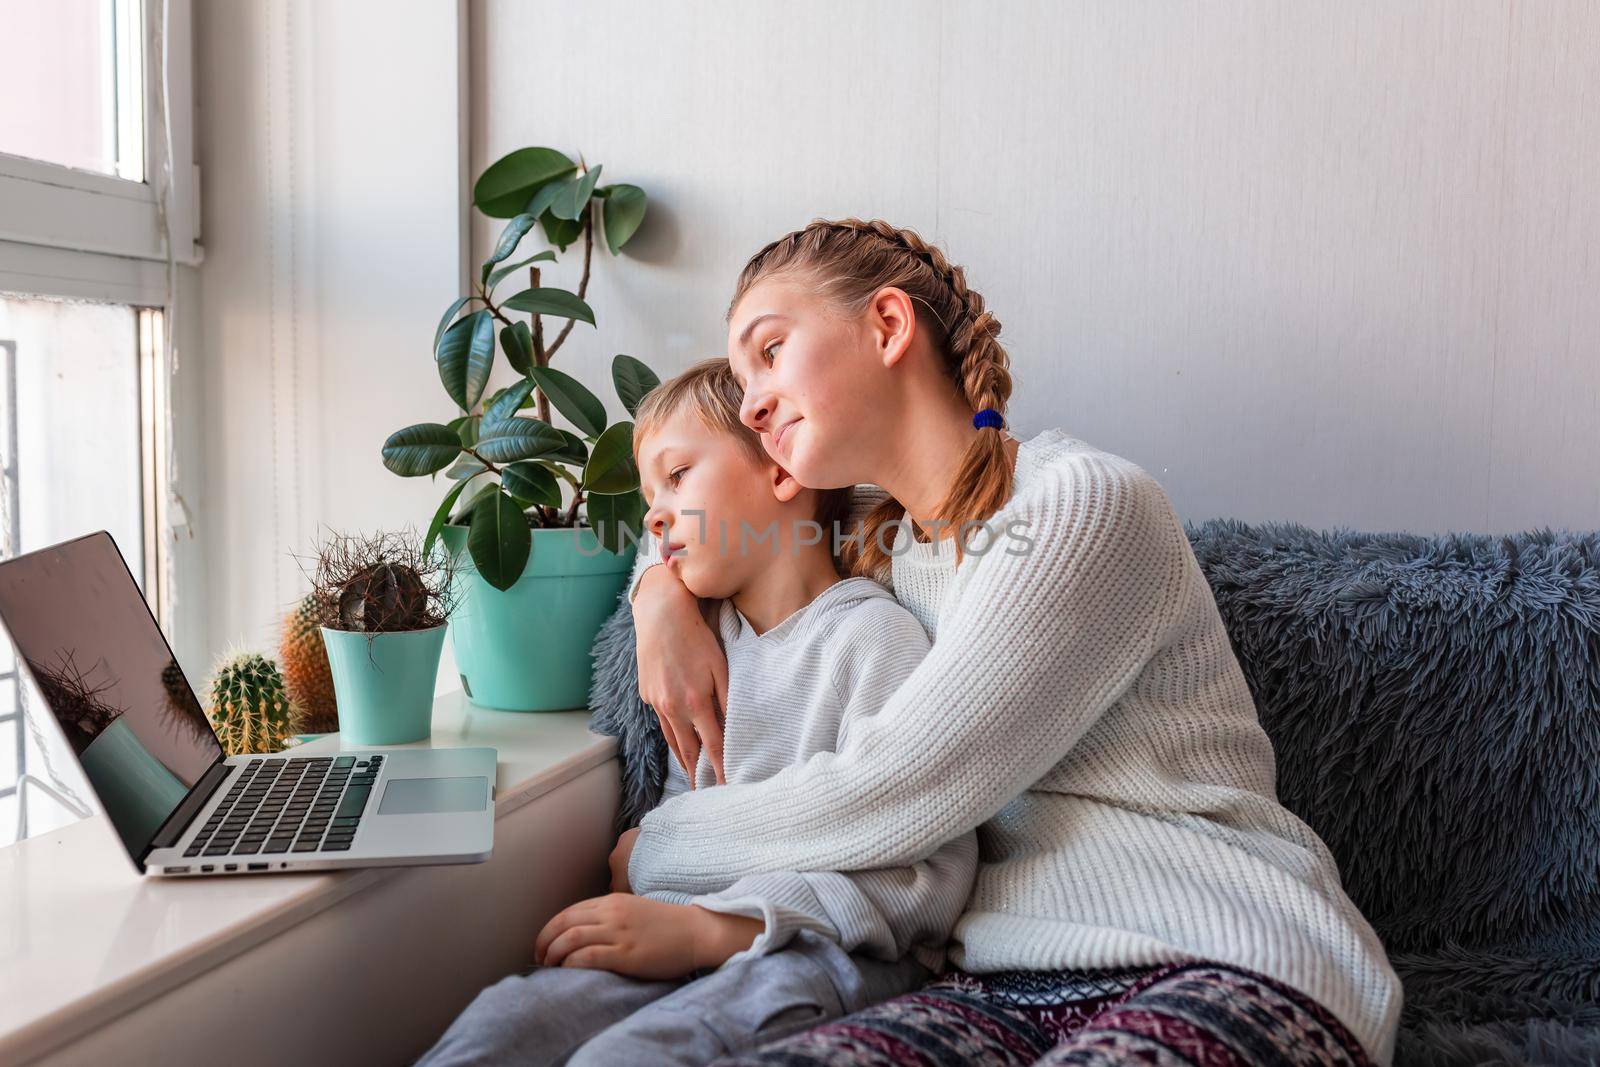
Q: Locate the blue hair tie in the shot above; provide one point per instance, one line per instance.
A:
(988, 417)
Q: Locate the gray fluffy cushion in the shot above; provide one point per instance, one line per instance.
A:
(617, 711)
(1435, 707)
(1434, 703)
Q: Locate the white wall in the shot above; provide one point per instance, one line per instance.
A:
(1333, 263)
(1337, 263)
(330, 147)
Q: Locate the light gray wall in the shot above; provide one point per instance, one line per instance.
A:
(330, 148)
(1329, 262)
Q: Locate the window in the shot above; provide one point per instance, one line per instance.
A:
(98, 213)
(72, 85)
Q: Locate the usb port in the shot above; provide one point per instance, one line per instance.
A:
(206, 868)
(231, 867)
(177, 870)
(258, 866)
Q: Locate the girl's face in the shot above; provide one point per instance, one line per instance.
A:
(812, 380)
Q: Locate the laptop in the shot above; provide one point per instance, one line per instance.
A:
(180, 805)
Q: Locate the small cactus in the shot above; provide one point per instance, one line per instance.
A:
(382, 583)
(305, 670)
(250, 708)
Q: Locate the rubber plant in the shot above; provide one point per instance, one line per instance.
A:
(517, 463)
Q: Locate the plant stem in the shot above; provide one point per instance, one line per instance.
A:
(490, 467)
(572, 512)
(583, 282)
(494, 309)
(540, 357)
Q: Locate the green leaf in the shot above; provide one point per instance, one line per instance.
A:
(517, 340)
(548, 301)
(574, 196)
(560, 232)
(466, 468)
(425, 448)
(484, 491)
(623, 212)
(448, 315)
(556, 469)
(633, 380)
(466, 427)
(530, 483)
(504, 187)
(580, 406)
(512, 439)
(510, 401)
(466, 356)
(539, 203)
(574, 450)
(609, 514)
(499, 274)
(440, 517)
(611, 468)
(510, 237)
(499, 540)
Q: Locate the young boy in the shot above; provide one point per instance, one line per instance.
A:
(674, 979)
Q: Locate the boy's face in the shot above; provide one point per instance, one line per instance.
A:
(698, 483)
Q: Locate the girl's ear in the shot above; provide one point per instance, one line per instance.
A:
(784, 487)
(892, 319)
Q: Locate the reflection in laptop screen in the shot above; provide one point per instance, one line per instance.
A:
(102, 665)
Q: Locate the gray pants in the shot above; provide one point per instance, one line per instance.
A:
(574, 1016)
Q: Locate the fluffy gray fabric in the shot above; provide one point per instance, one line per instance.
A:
(616, 710)
(1435, 707)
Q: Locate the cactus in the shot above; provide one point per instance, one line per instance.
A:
(384, 597)
(250, 707)
(305, 671)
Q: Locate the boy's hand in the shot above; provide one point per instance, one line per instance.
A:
(642, 938)
(683, 672)
(619, 861)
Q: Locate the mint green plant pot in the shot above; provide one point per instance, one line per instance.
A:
(527, 648)
(383, 684)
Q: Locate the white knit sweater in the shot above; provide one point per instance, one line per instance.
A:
(1083, 704)
(798, 689)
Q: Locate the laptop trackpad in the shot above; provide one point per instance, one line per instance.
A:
(434, 796)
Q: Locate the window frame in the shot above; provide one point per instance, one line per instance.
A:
(74, 234)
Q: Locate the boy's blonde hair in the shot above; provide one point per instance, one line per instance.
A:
(709, 391)
(847, 261)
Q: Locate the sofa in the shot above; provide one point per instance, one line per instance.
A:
(1434, 704)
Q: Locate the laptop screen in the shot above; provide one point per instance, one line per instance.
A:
(102, 665)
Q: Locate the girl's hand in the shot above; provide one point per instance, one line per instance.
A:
(642, 938)
(683, 674)
(620, 855)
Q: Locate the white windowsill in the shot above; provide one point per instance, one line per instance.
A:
(84, 939)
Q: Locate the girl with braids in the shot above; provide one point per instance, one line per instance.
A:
(1141, 896)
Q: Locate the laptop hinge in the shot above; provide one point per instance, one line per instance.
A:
(180, 819)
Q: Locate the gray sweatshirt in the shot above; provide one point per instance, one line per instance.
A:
(796, 690)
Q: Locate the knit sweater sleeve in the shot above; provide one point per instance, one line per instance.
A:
(1048, 631)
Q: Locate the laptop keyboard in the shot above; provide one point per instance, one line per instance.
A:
(290, 804)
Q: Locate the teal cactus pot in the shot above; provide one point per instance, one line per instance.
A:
(383, 684)
(527, 648)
